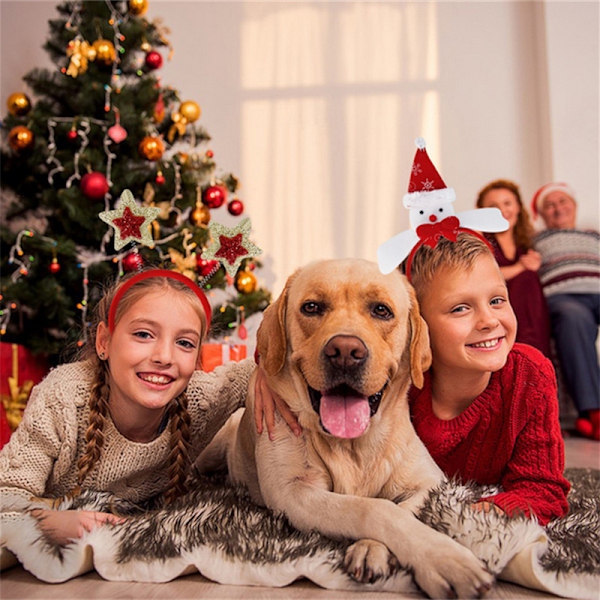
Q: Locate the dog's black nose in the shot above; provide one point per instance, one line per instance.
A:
(345, 351)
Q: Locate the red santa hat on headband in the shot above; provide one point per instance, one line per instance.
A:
(425, 186)
(542, 193)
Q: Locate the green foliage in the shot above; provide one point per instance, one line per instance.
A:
(49, 201)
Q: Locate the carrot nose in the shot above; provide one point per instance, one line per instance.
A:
(432, 218)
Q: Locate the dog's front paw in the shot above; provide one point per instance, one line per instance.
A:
(366, 561)
(449, 570)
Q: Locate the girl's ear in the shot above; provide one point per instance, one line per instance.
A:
(102, 339)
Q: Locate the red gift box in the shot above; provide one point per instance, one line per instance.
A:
(19, 372)
(214, 355)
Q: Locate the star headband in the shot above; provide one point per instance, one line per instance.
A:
(157, 273)
(432, 216)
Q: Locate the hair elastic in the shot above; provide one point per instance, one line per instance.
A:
(157, 273)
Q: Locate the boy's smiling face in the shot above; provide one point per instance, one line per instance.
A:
(472, 326)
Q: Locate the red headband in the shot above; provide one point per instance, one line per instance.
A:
(157, 273)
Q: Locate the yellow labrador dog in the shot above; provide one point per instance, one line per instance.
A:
(341, 346)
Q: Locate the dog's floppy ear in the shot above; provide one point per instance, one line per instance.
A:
(420, 351)
(271, 339)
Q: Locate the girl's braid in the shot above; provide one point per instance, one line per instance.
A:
(179, 460)
(94, 435)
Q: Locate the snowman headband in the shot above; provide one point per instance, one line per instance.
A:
(432, 216)
(157, 273)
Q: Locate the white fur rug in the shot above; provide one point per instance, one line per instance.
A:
(219, 532)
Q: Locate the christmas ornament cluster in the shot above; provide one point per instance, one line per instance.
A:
(98, 124)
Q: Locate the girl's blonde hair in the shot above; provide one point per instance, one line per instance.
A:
(460, 254)
(178, 415)
(523, 231)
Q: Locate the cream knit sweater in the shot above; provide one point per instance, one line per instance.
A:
(41, 457)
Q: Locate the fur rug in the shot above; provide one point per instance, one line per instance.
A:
(218, 531)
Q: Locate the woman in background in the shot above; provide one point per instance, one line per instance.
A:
(519, 263)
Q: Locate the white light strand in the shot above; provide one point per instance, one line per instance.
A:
(82, 130)
(52, 155)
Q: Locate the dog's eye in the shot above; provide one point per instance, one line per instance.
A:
(381, 311)
(312, 308)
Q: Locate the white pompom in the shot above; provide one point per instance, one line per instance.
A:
(420, 142)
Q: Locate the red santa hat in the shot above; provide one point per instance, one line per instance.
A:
(542, 193)
(425, 186)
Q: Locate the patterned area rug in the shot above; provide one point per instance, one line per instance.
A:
(218, 531)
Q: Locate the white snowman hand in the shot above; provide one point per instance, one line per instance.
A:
(391, 253)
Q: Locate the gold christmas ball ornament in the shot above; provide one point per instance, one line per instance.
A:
(18, 104)
(138, 7)
(151, 148)
(105, 51)
(20, 138)
(200, 216)
(245, 282)
(190, 111)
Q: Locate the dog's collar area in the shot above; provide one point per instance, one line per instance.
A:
(345, 390)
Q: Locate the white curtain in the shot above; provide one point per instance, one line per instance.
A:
(333, 95)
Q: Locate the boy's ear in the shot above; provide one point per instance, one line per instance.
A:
(102, 339)
(420, 350)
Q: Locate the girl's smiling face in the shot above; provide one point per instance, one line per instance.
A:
(472, 326)
(153, 350)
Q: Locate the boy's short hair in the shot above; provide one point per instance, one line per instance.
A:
(460, 254)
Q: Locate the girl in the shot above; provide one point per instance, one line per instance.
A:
(519, 263)
(488, 410)
(130, 417)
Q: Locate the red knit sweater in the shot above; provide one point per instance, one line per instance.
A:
(509, 435)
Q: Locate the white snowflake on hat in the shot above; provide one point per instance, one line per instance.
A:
(432, 215)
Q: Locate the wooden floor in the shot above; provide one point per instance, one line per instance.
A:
(18, 583)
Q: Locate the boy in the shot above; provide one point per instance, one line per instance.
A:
(488, 410)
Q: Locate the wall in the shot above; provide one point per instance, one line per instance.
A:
(315, 105)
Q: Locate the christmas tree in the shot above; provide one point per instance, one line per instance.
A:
(103, 123)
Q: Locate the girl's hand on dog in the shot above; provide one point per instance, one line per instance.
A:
(487, 507)
(265, 401)
(64, 526)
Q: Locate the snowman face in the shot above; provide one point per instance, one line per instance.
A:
(435, 212)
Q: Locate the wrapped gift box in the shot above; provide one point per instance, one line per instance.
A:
(214, 355)
(19, 372)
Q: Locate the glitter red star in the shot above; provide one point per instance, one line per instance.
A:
(129, 224)
(231, 248)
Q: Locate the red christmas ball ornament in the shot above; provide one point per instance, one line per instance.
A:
(235, 207)
(132, 262)
(54, 266)
(206, 267)
(153, 60)
(94, 185)
(214, 196)
(160, 178)
(72, 135)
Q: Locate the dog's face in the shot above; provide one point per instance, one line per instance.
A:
(340, 340)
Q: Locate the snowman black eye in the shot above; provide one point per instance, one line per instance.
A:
(421, 212)
(441, 210)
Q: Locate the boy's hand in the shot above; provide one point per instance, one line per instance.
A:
(265, 401)
(64, 526)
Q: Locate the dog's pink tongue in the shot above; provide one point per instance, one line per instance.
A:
(345, 416)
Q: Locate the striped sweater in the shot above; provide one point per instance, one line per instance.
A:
(570, 261)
